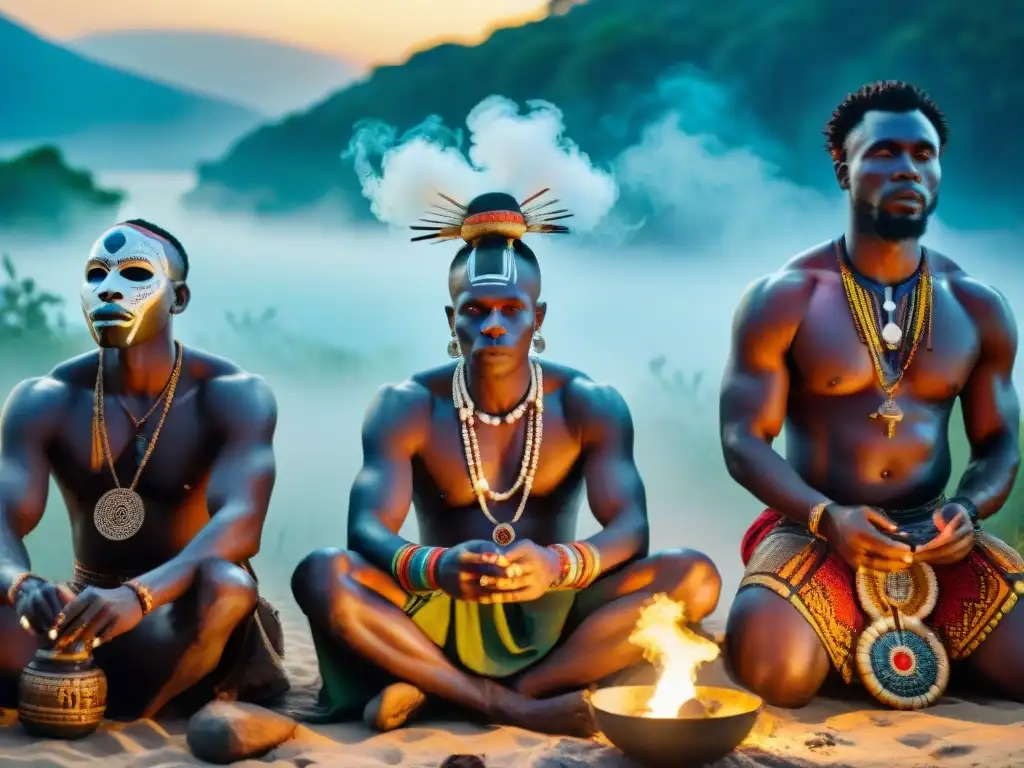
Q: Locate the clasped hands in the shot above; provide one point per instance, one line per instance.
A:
(865, 538)
(87, 620)
(480, 572)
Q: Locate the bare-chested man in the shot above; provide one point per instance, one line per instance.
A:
(165, 461)
(860, 348)
(500, 611)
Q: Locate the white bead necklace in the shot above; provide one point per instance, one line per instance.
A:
(504, 533)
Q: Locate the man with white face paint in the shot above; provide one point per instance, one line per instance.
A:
(131, 285)
(164, 457)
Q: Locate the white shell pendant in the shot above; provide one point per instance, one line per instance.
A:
(889, 306)
(892, 335)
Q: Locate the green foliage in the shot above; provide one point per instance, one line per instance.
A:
(32, 324)
(24, 308)
(678, 386)
(604, 64)
(262, 336)
(38, 190)
(1008, 523)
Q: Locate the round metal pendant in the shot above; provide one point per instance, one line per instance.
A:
(503, 535)
(119, 514)
(892, 335)
(904, 668)
(912, 592)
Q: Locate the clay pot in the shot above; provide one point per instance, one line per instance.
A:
(62, 695)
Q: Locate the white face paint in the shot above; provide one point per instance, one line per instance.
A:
(128, 287)
(506, 274)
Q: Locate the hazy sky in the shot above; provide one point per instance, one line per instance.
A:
(366, 30)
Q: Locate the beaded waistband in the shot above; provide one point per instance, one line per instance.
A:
(83, 577)
(916, 514)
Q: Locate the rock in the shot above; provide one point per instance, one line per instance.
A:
(463, 761)
(693, 709)
(223, 732)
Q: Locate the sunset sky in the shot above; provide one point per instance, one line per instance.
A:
(368, 31)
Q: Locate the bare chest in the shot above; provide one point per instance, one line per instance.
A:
(499, 455)
(180, 452)
(829, 358)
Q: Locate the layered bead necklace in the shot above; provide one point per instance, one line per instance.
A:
(891, 335)
(533, 408)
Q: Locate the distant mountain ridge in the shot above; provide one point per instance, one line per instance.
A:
(102, 116)
(609, 66)
(264, 75)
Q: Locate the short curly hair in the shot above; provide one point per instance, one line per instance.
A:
(884, 96)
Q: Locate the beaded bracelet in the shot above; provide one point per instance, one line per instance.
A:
(17, 584)
(815, 518)
(580, 565)
(415, 568)
(142, 593)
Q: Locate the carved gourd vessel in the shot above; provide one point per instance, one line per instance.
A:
(62, 695)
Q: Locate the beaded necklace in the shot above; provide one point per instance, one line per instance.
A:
(920, 317)
(504, 534)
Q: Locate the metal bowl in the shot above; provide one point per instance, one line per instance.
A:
(671, 742)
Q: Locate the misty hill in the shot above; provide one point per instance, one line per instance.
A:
(103, 116)
(607, 65)
(40, 192)
(266, 76)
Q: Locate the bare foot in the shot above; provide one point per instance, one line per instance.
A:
(393, 706)
(567, 715)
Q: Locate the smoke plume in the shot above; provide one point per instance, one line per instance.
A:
(508, 152)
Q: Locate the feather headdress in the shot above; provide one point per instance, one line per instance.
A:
(493, 213)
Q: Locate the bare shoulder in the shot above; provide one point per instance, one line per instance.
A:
(201, 366)
(36, 404)
(235, 397)
(984, 303)
(401, 412)
(594, 408)
(781, 297)
(45, 399)
(78, 372)
(432, 383)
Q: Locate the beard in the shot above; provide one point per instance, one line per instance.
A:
(875, 220)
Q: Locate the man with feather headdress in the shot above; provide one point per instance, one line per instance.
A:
(498, 608)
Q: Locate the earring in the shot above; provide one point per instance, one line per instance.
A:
(539, 345)
(454, 350)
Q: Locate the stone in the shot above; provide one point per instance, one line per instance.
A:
(693, 709)
(223, 732)
(463, 761)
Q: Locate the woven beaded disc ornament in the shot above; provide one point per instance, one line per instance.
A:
(905, 667)
(912, 592)
(119, 514)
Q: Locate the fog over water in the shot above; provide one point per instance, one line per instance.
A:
(612, 308)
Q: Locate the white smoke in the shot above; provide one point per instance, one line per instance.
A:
(509, 152)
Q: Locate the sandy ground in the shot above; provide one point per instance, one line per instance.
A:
(953, 734)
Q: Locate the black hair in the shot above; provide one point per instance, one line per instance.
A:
(161, 232)
(884, 96)
(492, 201)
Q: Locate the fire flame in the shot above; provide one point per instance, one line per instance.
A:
(677, 651)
